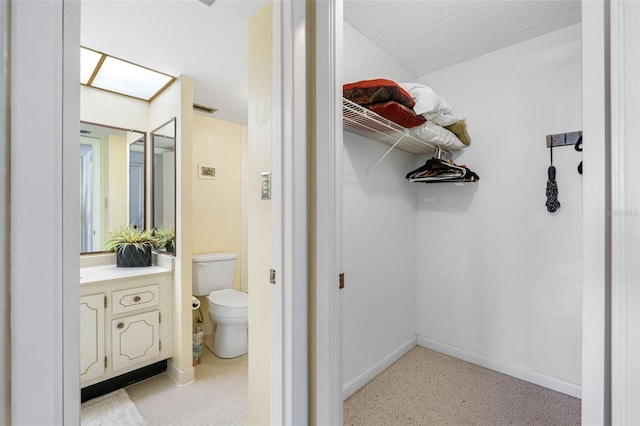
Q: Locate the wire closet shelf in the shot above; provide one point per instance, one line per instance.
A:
(357, 119)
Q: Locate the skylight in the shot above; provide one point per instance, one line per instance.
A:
(105, 72)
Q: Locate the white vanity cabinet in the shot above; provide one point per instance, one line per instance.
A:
(125, 320)
(92, 336)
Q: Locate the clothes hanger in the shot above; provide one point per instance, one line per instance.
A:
(451, 173)
(436, 169)
(436, 165)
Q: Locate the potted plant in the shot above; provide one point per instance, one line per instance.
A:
(166, 236)
(132, 246)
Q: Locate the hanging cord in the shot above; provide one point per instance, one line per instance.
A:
(552, 187)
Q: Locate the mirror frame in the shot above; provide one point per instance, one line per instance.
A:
(145, 191)
(153, 180)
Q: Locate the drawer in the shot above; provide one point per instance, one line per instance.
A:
(133, 299)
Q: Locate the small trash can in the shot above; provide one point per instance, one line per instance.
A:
(198, 343)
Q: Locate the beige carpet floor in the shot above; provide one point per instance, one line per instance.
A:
(217, 397)
(428, 388)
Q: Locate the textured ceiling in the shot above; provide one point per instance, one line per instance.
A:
(209, 44)
(429, 35)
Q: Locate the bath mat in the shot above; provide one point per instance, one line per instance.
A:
(114, 408)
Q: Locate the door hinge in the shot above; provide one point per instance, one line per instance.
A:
(105, 362)
(341, 281)
(272, 276)
(159, 317)
(160, 345)
(105, 302)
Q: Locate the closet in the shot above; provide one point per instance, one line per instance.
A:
(479, 271)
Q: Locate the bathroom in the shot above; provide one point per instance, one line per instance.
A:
(212, 159)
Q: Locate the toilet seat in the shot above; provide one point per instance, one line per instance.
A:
(229, 298)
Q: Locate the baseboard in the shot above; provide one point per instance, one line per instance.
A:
(509, 369)
(179, 376)
(353, 386)
(122, 381)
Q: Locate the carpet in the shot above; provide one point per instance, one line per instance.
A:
(114, 408)
(428, 388)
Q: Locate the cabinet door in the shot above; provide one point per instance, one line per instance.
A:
(135, 339)
(91, 336)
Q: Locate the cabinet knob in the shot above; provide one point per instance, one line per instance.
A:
(120, 325)
(136, 299)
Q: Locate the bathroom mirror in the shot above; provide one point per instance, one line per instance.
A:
(163, 182)
(112, 190)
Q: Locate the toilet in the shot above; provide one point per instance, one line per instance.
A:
(228, 308)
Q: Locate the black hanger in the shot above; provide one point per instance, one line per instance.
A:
(437, 170)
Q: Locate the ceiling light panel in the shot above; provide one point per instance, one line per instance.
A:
(129, 79)
(88, 61)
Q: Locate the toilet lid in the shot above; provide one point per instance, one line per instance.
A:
(230, 298)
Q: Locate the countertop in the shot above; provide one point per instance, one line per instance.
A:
(94, 274)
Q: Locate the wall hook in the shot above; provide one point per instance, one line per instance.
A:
(578, 147)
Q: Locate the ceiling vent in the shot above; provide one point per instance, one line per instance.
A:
(202, 108)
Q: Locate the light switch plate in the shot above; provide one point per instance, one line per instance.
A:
(266, 185)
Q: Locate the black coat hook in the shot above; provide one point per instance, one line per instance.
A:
(578, 147)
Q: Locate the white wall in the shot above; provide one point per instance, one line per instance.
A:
(379, 223)
(177, 101)
(500, 280)
(102, 107)
(363, 60)
(379, 260)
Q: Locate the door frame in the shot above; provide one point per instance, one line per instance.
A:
(289, 213)
(625, 212)
(45, 348)
(96, 190)
(45, 118)
(327, 205)
(597, 257)
(596, 234)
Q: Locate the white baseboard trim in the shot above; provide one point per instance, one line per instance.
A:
(353, 386)
(509, 369)
(181, 377)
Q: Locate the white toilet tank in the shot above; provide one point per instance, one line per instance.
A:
(212, 271)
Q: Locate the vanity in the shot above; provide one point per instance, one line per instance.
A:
(125, 319)
(126, 314)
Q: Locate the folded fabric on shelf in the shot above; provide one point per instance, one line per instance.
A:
(435, 108)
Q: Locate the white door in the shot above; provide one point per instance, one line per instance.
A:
(136, 189)
(90, 194)
(91, 336)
